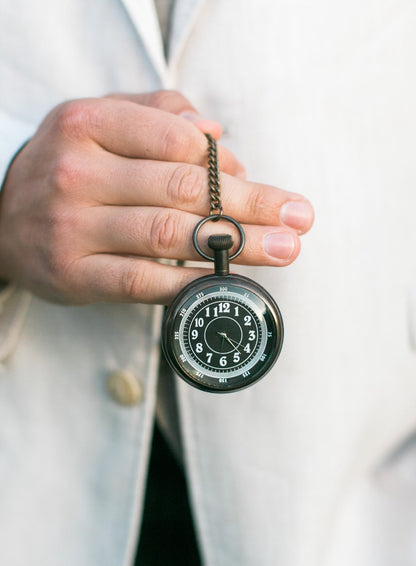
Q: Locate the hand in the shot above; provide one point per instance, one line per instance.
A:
(105, 185)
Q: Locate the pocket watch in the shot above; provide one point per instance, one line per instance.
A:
(223, 332)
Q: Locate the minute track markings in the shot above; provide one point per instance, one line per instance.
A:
(195, 321)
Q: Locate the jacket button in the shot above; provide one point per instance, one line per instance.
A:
(124, 388)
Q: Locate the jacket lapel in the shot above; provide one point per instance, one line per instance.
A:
(144, 17)
(185, 15)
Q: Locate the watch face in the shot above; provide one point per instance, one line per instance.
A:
(222, 333)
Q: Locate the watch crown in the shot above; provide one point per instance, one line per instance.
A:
(220, 242)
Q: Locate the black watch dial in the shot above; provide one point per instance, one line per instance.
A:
(222, 333)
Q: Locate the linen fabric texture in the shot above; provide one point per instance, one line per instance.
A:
(315, 465)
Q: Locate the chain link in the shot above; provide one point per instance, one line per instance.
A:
(214, 179)
(216, 212)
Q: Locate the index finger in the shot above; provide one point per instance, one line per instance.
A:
(131, 130)
(175, 103)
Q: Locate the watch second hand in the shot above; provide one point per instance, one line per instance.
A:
(223, 334)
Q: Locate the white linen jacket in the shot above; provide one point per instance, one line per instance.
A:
(313, 466)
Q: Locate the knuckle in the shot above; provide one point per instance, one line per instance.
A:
(62, 227)
(257, 204)
(59, 272)
(67, 173)
(74, 118)
(163, 234)
(58, 267)
(71, 117)
(176, 143)
(133, 282)
(183, 185)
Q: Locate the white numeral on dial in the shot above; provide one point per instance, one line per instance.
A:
(222, 308)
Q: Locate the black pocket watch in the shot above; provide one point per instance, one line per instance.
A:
(222, 332)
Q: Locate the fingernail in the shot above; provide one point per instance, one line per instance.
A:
(280, 245)
(191, 116)
(297, 214)
(196, 118)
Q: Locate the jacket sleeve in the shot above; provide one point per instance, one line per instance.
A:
(14, 302)
(14, 132)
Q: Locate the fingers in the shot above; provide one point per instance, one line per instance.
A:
(108, 278)
(105, 183)
(167, 100)
(131, 130)
(130, 182)
(167, 233)
(175, 103)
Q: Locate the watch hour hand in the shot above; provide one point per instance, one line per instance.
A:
(224, 335)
